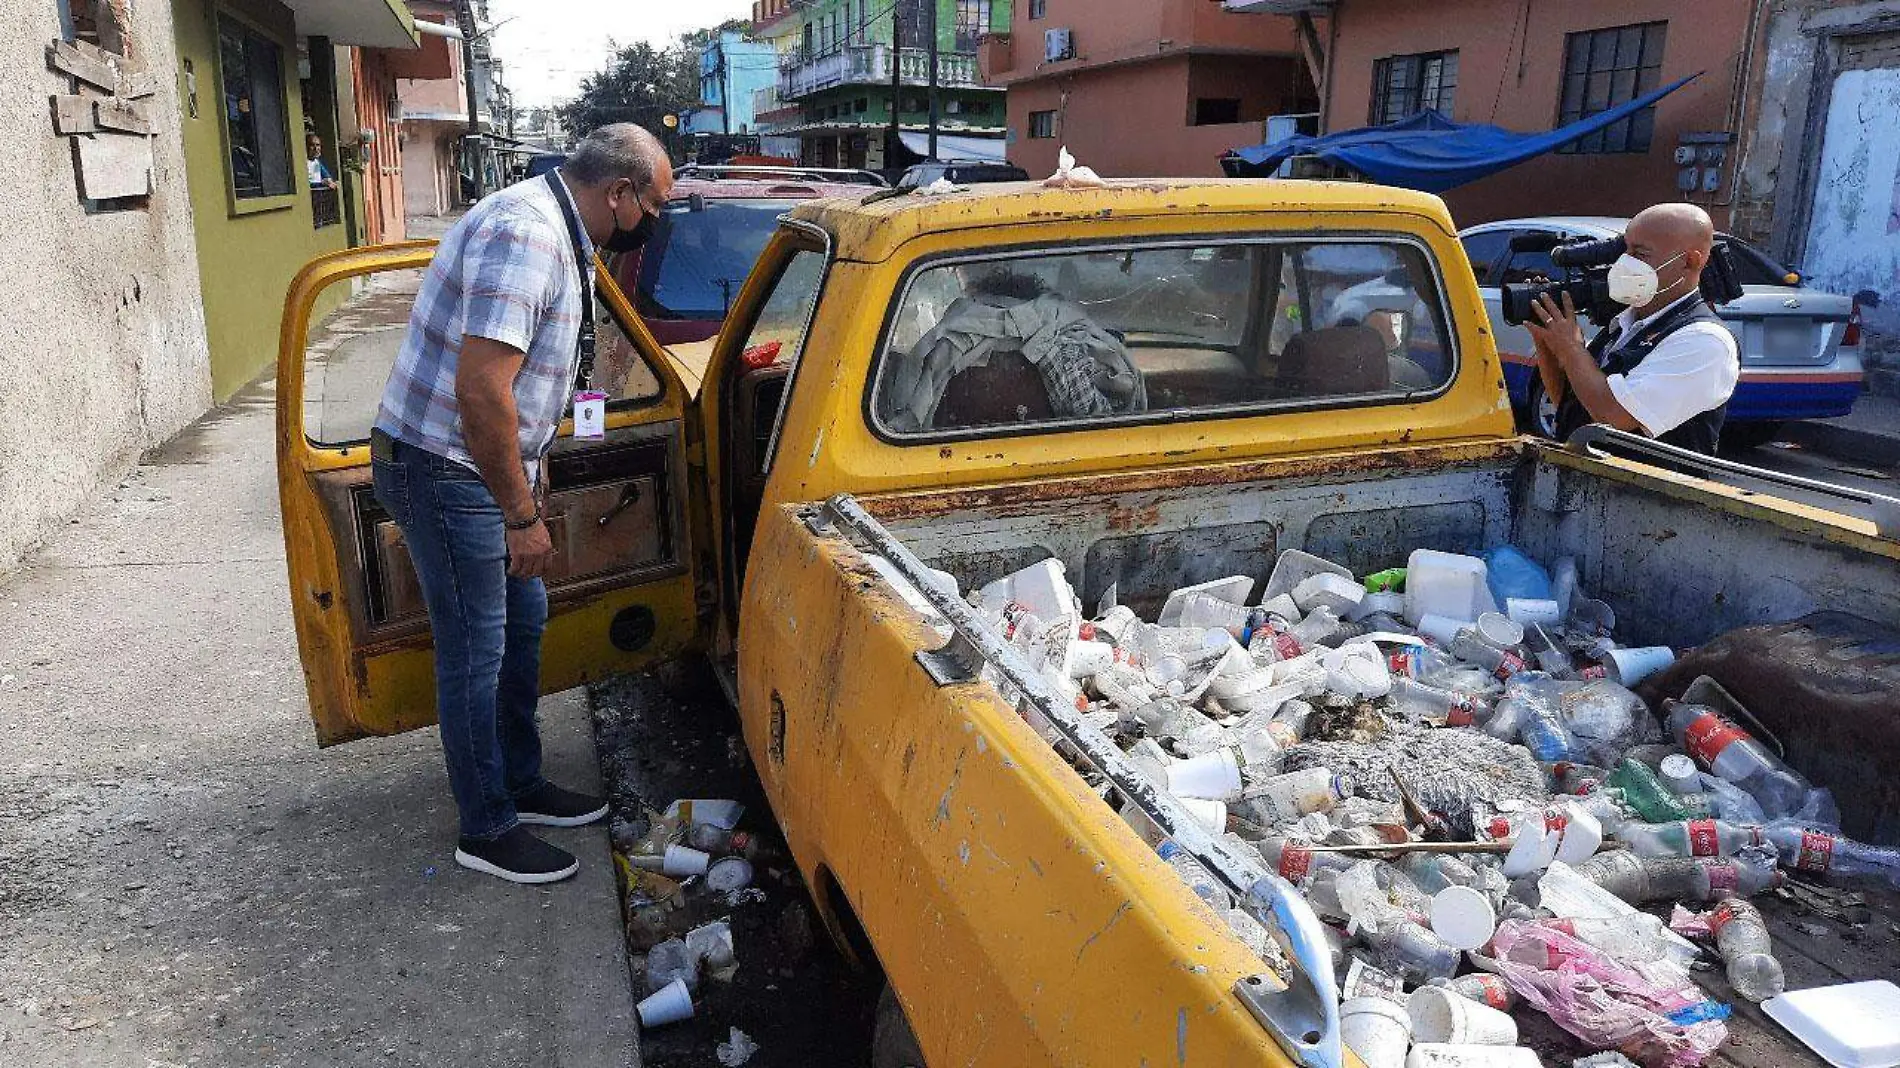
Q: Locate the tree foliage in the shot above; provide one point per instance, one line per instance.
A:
(641, 84)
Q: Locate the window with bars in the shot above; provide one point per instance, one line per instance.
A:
(1403, 86)
(973, 21)
(1042, 124)
(1604, 68)
(1038, 8)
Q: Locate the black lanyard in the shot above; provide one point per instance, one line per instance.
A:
(584, 371)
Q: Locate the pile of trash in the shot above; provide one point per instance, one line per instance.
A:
(1448, 761)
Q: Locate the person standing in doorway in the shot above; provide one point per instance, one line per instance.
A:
(314, 168)
(499, 344)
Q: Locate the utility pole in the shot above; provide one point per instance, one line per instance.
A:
(472, 150)
(895, 139)
(930, 33)
(723, 79)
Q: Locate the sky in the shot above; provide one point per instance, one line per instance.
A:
(550, 45)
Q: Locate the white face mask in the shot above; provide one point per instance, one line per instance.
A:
(1634, 282)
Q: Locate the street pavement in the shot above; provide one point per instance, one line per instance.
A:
(185, 879)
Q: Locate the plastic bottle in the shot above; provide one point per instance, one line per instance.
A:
(1637, 937)
(1654, 802)
(1542, 727)
(1806, 849)
(1730, 753)
(1483, 988)
(1408, 949)
(1502, 665)
(1742, 937)
(1444, 708)
(1417, 662)
(1570, 777)
(1295, 863)
(1744, 875)
(1197, 877)
(1285, 798)
(1688, 838)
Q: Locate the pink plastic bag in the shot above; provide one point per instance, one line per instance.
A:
(1601, 1000)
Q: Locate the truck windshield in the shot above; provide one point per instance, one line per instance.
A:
(1116, 334)
(700, 253)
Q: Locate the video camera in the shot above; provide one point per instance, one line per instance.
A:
(1586, 268)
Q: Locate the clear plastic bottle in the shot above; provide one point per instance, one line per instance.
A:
(1637, 937)
(1807, 849)
(1408, 949)
(1745, 874)
(1731, 753)
(1742, 937)
(1197, 877)
(1688, 838)
(1542, 726)
(1445, 708)
(1292, 861)
(1417, 662)
(1502, 664)
(1483, 988)
(1285, 798)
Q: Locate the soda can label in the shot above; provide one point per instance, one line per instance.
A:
(1723, 915)
(1817, 850)
(1708, 735)
(1594, 672)
(1703, 840)
(1462, 713)
(1286, 645)
(1495, 993)
(1723, 877)
(1509, 666)
(1295, 863)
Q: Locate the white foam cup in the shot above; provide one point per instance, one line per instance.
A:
(1087, 658)
(1209, 814)
(1441, 629)
(669, 1004)
(1678, 772)
(1439, 1015)
(1357, 677)
(729, 873)
(1211, 776)
(1582, 834)
(1445, 1055)
(1498, 631)
(1631, 666)
(1526, 611)
(685, 860)
(1377, 1029)
(1463, 917)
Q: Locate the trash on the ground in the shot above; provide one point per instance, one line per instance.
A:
(728, 874)
(670, 1004)
(737, 1049)
(1606, 1059)
(710, 947)
(1448, 759)
(1853, 1025)
(711, 812)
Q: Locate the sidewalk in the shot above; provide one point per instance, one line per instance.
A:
(186, 879)
(1870, 434)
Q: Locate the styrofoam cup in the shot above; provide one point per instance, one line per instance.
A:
(1527, 610)
(685, 860)
(1439, 1015)
(1444, 1055)
(729, 873)
(1631, 666)
(1463, 917)
(1498, 631)
(1212, 776)
(1376, 1029)
(1441, 629)
(1678, 772)
(1357, 677)
(670, 1004)
(1582, 834)
(1208, 813)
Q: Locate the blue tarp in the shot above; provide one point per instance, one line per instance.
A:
(1429, 151)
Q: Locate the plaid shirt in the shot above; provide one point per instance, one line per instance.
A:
(504, 272)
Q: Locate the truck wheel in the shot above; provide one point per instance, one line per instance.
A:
(892, 1044)
(1540, 414)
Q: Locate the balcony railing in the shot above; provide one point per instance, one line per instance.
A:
(870, 64)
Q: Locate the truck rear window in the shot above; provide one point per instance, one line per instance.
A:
(1130, 334)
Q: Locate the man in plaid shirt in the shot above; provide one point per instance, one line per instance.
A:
(479, 389)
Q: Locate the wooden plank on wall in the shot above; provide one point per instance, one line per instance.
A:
(113, 165)
(137, 85)
(73, 115)
(116, 114)
(88, 66)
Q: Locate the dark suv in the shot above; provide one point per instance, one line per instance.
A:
(961, 172)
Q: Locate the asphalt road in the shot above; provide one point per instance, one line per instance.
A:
(1790, 459)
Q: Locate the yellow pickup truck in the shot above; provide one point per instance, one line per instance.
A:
(1157, 383)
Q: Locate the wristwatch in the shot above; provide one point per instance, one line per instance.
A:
(523, 524)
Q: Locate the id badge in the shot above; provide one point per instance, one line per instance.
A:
(590, 415)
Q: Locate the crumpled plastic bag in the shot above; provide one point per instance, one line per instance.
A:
(1070, 176)
(1605, 1002)
(940, 187)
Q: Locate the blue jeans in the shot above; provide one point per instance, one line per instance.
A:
(487, 627)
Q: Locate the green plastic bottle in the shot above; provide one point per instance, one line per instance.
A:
(1653, 802)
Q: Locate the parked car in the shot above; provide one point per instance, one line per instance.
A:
(709, 235)
(1800, 347)
(961, 172)
(543, 162)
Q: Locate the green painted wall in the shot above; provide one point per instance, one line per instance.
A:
(246, 256)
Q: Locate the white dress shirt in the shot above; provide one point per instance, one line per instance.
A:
(1686, 374)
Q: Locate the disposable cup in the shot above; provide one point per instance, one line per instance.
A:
(1679, 773)
(1442, 1055)
(1463, 917)
(729, 873)
(1376, 1029)
(1441, 629)
(1439, 1015)
(1498, 631)
(1631, 666)
(1582, 834)
(1212, 776)
(670, 1004)
(1207, 813)
(1525, 611)
(1089, 658)
(1357, 677)
(685, 860)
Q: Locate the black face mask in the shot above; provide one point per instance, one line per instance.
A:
(631, 240)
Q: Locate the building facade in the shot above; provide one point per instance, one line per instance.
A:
(1193, 79)
(779, 23)
(859, 72)
(732, 69)
(438, 173)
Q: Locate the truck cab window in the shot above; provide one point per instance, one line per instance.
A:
(1123, 334)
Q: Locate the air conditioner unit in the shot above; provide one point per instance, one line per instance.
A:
(952, 107)
(1057, 44)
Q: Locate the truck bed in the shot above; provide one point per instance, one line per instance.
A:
(1679, 561)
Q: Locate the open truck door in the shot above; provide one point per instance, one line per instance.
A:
(621, 592)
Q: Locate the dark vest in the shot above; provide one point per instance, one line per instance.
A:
(1701, 433)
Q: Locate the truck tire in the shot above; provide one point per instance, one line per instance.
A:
(1540, 415)
(892, 1043)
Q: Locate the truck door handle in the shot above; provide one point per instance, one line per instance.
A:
(629, 496)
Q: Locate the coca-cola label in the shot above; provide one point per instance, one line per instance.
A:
(1402, 662)
(1816, 852)
(1708, 734)
(1286, 645)
(1499, 827)
(1510, 665)
(1703, 839)
(1295, 863)
(1462, 713)
(1723, 915)
(1724, 878)
(1555, 820)
(1494, 992)
(1013, 614)
(1086, 632)
(1592, 672)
